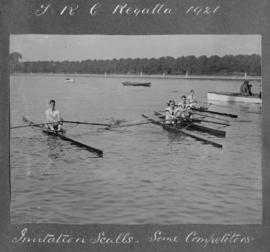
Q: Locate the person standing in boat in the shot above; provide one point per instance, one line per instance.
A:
(170, 113)
(53, 118)
(246, 89)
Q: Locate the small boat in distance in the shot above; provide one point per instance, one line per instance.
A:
(70, 80)
(136, 84)
(233, 97)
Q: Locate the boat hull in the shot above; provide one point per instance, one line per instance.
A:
(68, 80)
(193, 124)
(233, 97)
(175, 129)
(64, 137)
(135, 84)
(73, 141)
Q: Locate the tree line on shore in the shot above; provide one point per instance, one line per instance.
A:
(203, 65)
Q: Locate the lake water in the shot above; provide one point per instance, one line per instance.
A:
(147, 175)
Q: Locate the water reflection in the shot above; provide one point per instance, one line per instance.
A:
(55, 148)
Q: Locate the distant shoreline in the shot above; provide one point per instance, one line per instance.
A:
(154, 76)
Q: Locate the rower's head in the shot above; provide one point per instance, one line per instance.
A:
(184, 98)
(52, 104)
(192, 91)
(171, 103)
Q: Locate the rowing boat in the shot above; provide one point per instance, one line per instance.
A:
(64, 137)
(206, 110)
(70, 80)
(193, 124)
(174, 128)
(233, 97)
(136, 84)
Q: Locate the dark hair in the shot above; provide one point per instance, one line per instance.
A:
(170, 102)
(52, 101)
(192, 90)
(183, 96)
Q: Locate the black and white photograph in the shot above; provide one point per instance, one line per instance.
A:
(136, 129)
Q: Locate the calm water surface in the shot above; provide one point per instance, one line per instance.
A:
(147, 175)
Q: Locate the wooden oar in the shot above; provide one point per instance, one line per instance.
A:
(221, 123)
(215, 112)
(214, 104)
(88, 123)
(75, 122)
(160, 115)
(29, 125)
(243, 121)
(183, 131)
(220, 119)
(222, 114)
(127, 125)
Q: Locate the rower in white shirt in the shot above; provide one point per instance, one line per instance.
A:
(170, 113)
(53, 117)
(183, 110)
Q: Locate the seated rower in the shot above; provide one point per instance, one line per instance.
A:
(183, 103)
(191, 100)
(53, 118)
(183, 110)
(170, 112)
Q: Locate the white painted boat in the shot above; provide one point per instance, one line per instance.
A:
(233, 97)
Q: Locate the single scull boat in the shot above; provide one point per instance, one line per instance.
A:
(64, 137)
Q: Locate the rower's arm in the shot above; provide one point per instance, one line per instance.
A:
(177, 112)
(167, 115)
(47, 120)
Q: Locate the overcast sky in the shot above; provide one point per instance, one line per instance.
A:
(79, 47)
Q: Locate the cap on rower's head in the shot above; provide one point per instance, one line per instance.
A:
(52, 101)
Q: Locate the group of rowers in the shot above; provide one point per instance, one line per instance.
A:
(175, 114)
